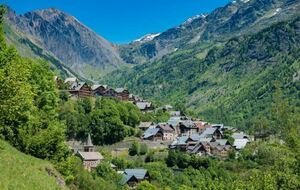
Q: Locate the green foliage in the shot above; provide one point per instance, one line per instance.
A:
(145, 185)
(143, 149)
(28, 105)
(109, 120)
(19, 170)
(134, 149)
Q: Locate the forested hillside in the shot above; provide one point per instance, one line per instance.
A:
(233, 82)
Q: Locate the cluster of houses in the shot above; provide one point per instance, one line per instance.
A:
(196, 136)
(79, 89)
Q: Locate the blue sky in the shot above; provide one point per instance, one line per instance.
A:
(121, 21)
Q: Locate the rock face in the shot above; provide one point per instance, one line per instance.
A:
(70, 41)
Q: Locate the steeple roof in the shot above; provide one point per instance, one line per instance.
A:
(89, 141)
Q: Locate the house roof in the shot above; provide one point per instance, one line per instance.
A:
(145, 124)
(138, 173)
(77, 86)
(222, 142)
(119, 90)
(188, 123)
(175, 113)
(95, 86)
(201, 124)
(182, 140)
(166, 127)
(143, 105)
(150, 132)
(195, 137)
(90, 155)
(208, 132)
(89, 141)
(240, 143)
(70, 80)
(240, 135)
(127, 178)
(174, 121)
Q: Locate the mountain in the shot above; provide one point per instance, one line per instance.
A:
(236, 18)
(69, 41)
(21, 171)
(233, 80)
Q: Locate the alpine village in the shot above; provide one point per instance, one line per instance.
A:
(211, 104)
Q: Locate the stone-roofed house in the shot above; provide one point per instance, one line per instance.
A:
(181, 143)
(212, 132)
(201, 125)
(175, 113)
(80, 90)
(132, 177)
(99, 90)
(239, 144)
(110, 93)
(90, 158)
(122, 94)
(153, 134)
(169, 133)
(145, 125)
(70, 80)
(144, 106)
(187, 127)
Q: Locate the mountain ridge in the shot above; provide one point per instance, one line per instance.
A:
(74, 44)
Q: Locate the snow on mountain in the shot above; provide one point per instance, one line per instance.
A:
(147, 38)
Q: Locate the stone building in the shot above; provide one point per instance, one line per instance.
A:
(89, 157)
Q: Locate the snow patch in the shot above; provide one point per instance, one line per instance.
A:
(276, 11)
(147, 38)
(188, 21)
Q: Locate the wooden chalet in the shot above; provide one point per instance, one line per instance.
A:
(187, 128)
(80, 90)
(132, 177)
(99, 90)
(168, 132)
(122, 94)
(153, 134)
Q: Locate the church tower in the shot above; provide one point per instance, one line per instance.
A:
(89, 147)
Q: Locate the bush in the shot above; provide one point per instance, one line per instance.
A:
(143, 149)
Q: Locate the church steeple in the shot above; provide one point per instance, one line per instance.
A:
(89, 147)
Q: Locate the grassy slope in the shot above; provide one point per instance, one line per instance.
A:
(20, 171)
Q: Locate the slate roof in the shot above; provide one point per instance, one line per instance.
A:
(208, 132)
(145, 124)
(90, 155)
(174, 121)
(95, 86)
(240, 135)
(188, 123)
(77, 86)
(182, 140)
(150, 132)
(240, 143)
(222, 141)
(143, 105)
(89, 141)
(175, 113)
(138, 173)
(195, 137)
(70, 80)
(119, 90)
(166, 127)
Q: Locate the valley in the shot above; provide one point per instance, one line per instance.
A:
(213, 103)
